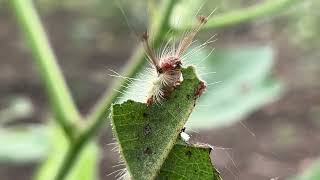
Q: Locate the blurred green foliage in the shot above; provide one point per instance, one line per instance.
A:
(304, 25)
(245, 84)
(311, 173)
(18, 107)
(23, 144)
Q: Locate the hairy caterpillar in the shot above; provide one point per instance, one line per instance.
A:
(155, 83)
(168, 65)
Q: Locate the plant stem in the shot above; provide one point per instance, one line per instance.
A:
(59, 95)
(69, 159)
(268, 8)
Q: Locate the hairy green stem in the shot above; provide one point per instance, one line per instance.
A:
(268, 8)
(59, 95)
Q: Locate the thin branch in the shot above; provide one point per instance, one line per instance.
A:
(59, 95)
(268, 8)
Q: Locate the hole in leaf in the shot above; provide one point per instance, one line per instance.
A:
(189, 154)
(147, 130)
(147, 151)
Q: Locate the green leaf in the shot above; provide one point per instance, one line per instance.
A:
(246, 85)
(146, 134)
(313, 173)
(189, 162)
(84, 169)
(23, 144)
(18, 107)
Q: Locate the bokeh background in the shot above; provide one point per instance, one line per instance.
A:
(263, 116)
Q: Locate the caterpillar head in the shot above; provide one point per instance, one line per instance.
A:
(168, 66)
